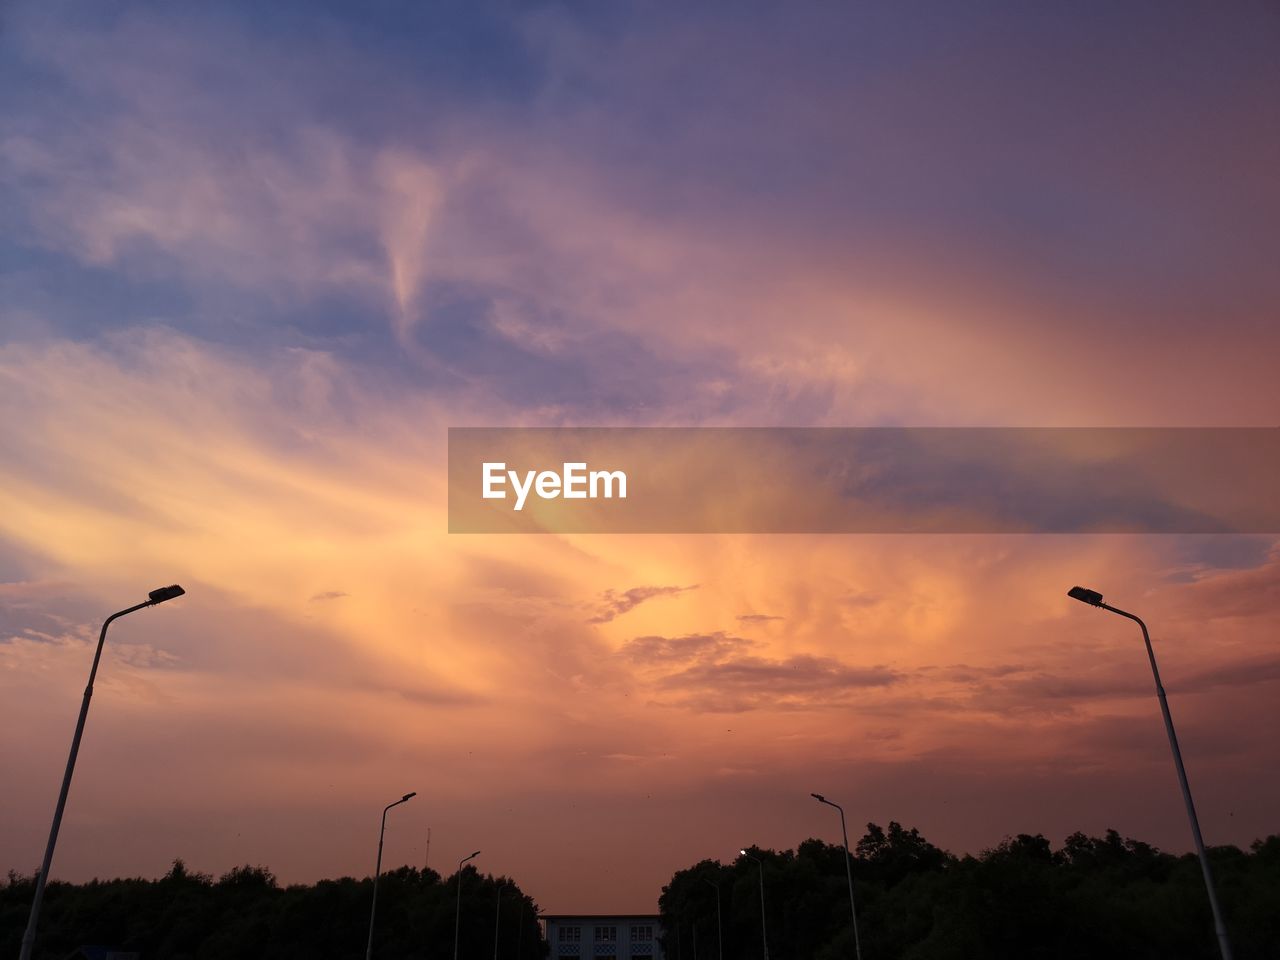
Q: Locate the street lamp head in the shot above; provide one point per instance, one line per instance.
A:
(476, 854)
(743, 852)
(409, 796)
(161, 594)
(819, 797)
(1085, 595)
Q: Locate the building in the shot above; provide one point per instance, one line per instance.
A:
(626, 936)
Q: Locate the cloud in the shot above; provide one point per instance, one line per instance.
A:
(963, 673)
(756, 618)
(329, 595)
(1239, 673)
(1248, 592)
(715, 672)
(1107, 679)
(614, 605)
(653, 650)
(750, 682)
(566, 259)
(292, 220)
(1075, 688)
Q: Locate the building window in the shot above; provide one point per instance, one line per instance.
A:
(606, 934)
(642, 934)
(570, 934)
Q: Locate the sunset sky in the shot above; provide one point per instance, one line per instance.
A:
(257, 259)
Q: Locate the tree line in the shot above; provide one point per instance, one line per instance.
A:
(246, 914)
(1094, 897)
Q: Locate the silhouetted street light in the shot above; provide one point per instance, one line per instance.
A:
(497, 911)
(368, 953)
(1093, 598)
(157, 596)
(848, 869)
(457, 917)
(764, 932)
(719, 926)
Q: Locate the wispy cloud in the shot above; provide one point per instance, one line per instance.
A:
(614, 604)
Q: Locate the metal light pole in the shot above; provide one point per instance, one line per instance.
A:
(848, 869)
(497, 911)
(764, 933)
(1093, 598)
(719, 926)
(159, 595)
(377, 871)
(457, 917)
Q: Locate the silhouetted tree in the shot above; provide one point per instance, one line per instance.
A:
(1097, 897)
(246, 914)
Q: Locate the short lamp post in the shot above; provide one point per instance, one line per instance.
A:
(377, 871)
(764, 931)
(157, 596)
(497, 912)
(719, 924)
(1093, 598)
(457, 916)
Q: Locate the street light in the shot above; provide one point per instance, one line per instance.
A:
(457, 918)
(157, 596)
(497, 911)
(764, 932)
(1093, 598)
(377, 871)
(719, 926)
(848, 869)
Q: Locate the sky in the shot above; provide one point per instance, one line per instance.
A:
(258, 259)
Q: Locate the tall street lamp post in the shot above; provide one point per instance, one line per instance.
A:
(156, 596)
(848, 869)
(377, 871)
(764, 932)
(1093, 598)
(457, 917)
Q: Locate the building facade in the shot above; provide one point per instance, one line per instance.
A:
(588, 936)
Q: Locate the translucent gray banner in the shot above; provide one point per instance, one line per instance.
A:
(864, 480)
